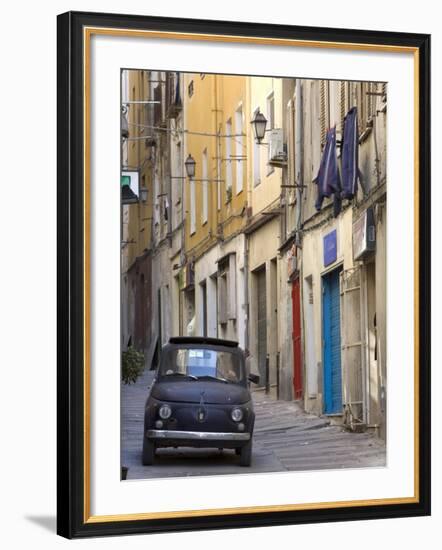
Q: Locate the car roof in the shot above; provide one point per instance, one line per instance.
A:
(203, 340)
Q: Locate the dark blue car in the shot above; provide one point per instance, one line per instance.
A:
(200, 398)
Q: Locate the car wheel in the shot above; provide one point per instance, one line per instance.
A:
(148, 452)
(245, 457)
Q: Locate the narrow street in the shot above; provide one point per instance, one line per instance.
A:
(285, 438)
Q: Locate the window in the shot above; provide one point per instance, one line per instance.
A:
(192, 206)
(201, 362)
(227, 289)
(156, 192)
(177, 186)
(158, 106)
(218, 182)
(382, 87)
(291, 168)
(324, 109)
(256, 158)
(205, 184)
(344, 100)
(228, 160)
(334, 89)
(239, 149)
(362, 97)
(271, 126)
(222, 298)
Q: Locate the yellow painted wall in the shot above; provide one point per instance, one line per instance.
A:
(269, 189)
(200, 119)
(214, 101)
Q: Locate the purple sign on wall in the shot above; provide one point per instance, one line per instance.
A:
(330, 248)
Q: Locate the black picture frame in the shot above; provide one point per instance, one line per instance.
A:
(72, 394)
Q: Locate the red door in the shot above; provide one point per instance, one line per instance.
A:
(297, 355)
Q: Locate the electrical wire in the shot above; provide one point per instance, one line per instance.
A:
(189, 132)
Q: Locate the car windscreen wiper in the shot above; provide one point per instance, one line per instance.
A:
(213, 378)
(190, 376)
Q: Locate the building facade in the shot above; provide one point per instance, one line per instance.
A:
(216, 199)
(336, 261)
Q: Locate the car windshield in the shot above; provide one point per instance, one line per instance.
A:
(202, 363)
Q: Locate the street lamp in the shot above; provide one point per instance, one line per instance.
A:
(190, 166)
(124, 124)
(259, 123)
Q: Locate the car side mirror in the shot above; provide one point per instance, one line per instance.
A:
(254, 378)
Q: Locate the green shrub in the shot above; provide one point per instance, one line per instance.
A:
(132, 365)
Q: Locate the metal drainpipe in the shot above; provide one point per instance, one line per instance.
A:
(246, 241)
(246, 293)
(267, 371)
(299, 180)
(298, 151)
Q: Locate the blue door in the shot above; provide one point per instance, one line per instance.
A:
(331, 330)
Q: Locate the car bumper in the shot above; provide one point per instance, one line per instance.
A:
(178, 435)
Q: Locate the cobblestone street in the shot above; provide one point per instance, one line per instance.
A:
(285, 438)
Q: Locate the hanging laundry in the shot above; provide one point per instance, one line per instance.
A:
(328, 180)
(349, 157)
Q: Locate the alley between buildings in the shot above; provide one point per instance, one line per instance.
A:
(285, 438)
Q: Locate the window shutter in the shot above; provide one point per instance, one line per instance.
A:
(342, 101)
(222, 299)
(324, 109)
(384, 92)
(231, 287)
(370, 99)
(361, 106)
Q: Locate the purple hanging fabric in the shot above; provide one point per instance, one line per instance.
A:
(350, 150)
(328, 180)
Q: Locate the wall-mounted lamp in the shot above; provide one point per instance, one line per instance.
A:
(124, 124)
(259, 123)
(190, 166)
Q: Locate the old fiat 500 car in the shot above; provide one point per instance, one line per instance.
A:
(200, 398)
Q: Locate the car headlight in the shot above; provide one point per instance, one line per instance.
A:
(165, 411)
(236, 414)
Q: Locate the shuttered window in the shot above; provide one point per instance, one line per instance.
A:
(228, 160)
(342, 96)
(290, 143)
(192, 206)
(205, 184)
(324, 109)
(365, 103)
(271, 126)
(239, 150)
(291, 178)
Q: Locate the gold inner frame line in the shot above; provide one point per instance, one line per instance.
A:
(87, 34)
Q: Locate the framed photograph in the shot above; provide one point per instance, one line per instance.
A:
(243, 274)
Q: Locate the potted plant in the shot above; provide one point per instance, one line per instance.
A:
(132, 365)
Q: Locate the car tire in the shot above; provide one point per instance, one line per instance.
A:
(148, 452)
(245, 457)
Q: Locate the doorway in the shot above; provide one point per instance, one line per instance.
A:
(296, 335)
(331, 343)
(261, 301)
